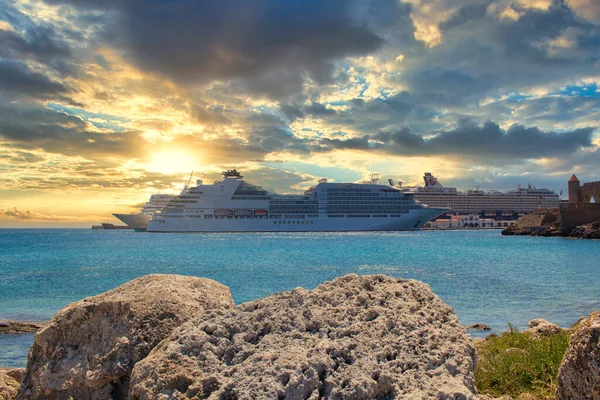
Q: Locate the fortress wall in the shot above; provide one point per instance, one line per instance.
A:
(590, 189)
(575, 214)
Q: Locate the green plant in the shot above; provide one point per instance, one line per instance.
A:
(517, 363)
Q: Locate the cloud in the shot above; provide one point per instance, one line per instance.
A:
(209, 115)
(32, 125)
(16, 214)
(586, 9)
(272, 47)
(486, 142)
(39, 44)
(483, 55)
(16, 77)
(361, 85)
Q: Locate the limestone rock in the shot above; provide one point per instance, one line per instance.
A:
(587, 231)
(8, 386)
(88, 349)
(357, 337)
(540, 326)
(579, 373)
(539, 223)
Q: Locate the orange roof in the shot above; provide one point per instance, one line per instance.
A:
(573, 178)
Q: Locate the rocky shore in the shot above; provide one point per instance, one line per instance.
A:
(179, 337)
(548, 223)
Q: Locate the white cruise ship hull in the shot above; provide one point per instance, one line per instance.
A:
(138, 221)
(412, 220)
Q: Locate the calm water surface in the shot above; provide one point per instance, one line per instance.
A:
(486, 277)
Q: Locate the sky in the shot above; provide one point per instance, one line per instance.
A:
(105, 102)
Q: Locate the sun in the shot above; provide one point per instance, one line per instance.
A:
(171, 161)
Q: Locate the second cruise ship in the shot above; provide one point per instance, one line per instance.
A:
(234, 205)
(139, 221)
(493, 203)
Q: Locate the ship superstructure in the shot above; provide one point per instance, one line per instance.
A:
(493, 203)
(139, 221)
(234, 205)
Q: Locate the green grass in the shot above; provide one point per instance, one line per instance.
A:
(520, 365)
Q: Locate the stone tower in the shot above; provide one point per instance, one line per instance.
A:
(574, 194)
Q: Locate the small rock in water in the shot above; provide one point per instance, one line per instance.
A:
(14, 327)
(540, 326)
(479, 327)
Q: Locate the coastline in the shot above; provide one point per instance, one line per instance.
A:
(555, 222)
(354, 307)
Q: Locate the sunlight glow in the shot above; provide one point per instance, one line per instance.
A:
(171, 161)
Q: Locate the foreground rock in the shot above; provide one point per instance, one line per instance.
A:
(15, 327)
(8, 386)
(579, 373)
(370, 337)
(88, 349)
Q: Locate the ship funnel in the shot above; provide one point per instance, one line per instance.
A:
(323, 180)
(431, 181)
(199, 182)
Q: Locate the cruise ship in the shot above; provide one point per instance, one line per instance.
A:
(139, 221)
(493, 203)
(234, 205)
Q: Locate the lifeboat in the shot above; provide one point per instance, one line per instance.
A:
(223, 213)
(243, 213)
(260, 213)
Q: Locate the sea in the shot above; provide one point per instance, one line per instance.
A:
(486, 277)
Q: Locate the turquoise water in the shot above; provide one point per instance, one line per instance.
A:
(486, 277)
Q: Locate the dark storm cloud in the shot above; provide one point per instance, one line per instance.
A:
(487, 141)
(273, 139)
(295, 111)
(272, 46)
(465, 14)
(39, 43)
(209, 115)
(516, 142)
(33, 126)
(16, 77)
(369, 116)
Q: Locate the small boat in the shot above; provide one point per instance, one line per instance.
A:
(260, 213)
(243, 213)
(223, 213)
